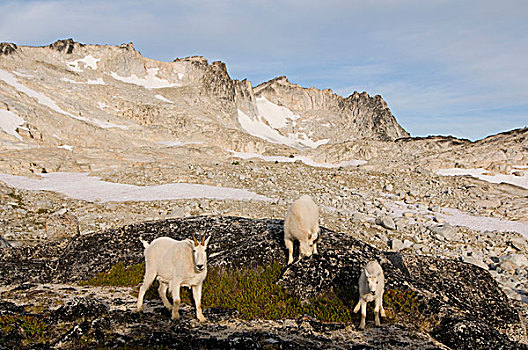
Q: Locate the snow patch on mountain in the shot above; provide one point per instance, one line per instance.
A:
(88, 61)
(98, 81)
(9, 122)
(163, 98)
(483, 174)
(262, 129)
(277, 116)
(48, 102)
(305, 160)
(151, 81)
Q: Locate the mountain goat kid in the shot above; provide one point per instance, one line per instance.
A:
(371, 288)
(302, 224)
(175, 264)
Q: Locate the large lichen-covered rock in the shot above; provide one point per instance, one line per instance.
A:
(462, 304)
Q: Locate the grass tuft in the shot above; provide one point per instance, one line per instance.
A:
(33, 329)
(255, 294)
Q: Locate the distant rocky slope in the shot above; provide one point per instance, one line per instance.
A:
(99, 107)
(87, 95)
(458, 305)
(359, 116)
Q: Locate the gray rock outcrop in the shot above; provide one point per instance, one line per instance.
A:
(461, 304)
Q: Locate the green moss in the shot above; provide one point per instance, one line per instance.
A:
(255, 294)
(128, 276)
(399, 301)
(118, 275)
(34, 329)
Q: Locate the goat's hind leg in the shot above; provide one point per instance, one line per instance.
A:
(162, 291)
(147, 281)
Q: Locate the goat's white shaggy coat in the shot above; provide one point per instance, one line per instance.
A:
(175, 264)
(302, 224)
(371, 288)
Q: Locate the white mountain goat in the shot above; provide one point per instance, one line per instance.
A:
(302, 224)
(371, 288)
(175, 264)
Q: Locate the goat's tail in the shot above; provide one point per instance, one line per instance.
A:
(145, 243)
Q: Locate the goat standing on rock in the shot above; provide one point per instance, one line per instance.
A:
(371, 288)
(175, 264)
(302, 224)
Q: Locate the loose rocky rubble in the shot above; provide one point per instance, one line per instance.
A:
(460, 305)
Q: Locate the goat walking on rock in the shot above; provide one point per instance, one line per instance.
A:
(302, 224)
(371, 288)
(175, 264)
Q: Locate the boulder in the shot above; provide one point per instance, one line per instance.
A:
(447, 231)
(386, 222)
(62, 225)
(441, 289)
(512, 262)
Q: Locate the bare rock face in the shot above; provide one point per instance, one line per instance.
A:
(66, 45)
(7, 48)
(461, 304)
(355, 117)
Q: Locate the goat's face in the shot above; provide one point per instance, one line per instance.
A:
(372, 282)
(306, 248)
(199, 253)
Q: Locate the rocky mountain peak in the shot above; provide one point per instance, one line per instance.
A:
(65, 45)
(358, 116)
(7, 48)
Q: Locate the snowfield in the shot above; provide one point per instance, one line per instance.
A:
(151, 81)
(92, 189)
(9, 122)
(458, 218)
(88, 61)
(305, 160)
(163, 98)
(260, 127)
(480, 173)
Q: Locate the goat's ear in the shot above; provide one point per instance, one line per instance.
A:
(366, 274)
(190, 241)
(207, 241)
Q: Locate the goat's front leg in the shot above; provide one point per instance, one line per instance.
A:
(382, 310)
(197, 295)
(377, 311)
(289, 245)
(363, 313)
(175, 292)
(315, 248)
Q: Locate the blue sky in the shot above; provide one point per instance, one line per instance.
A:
(444, 67)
